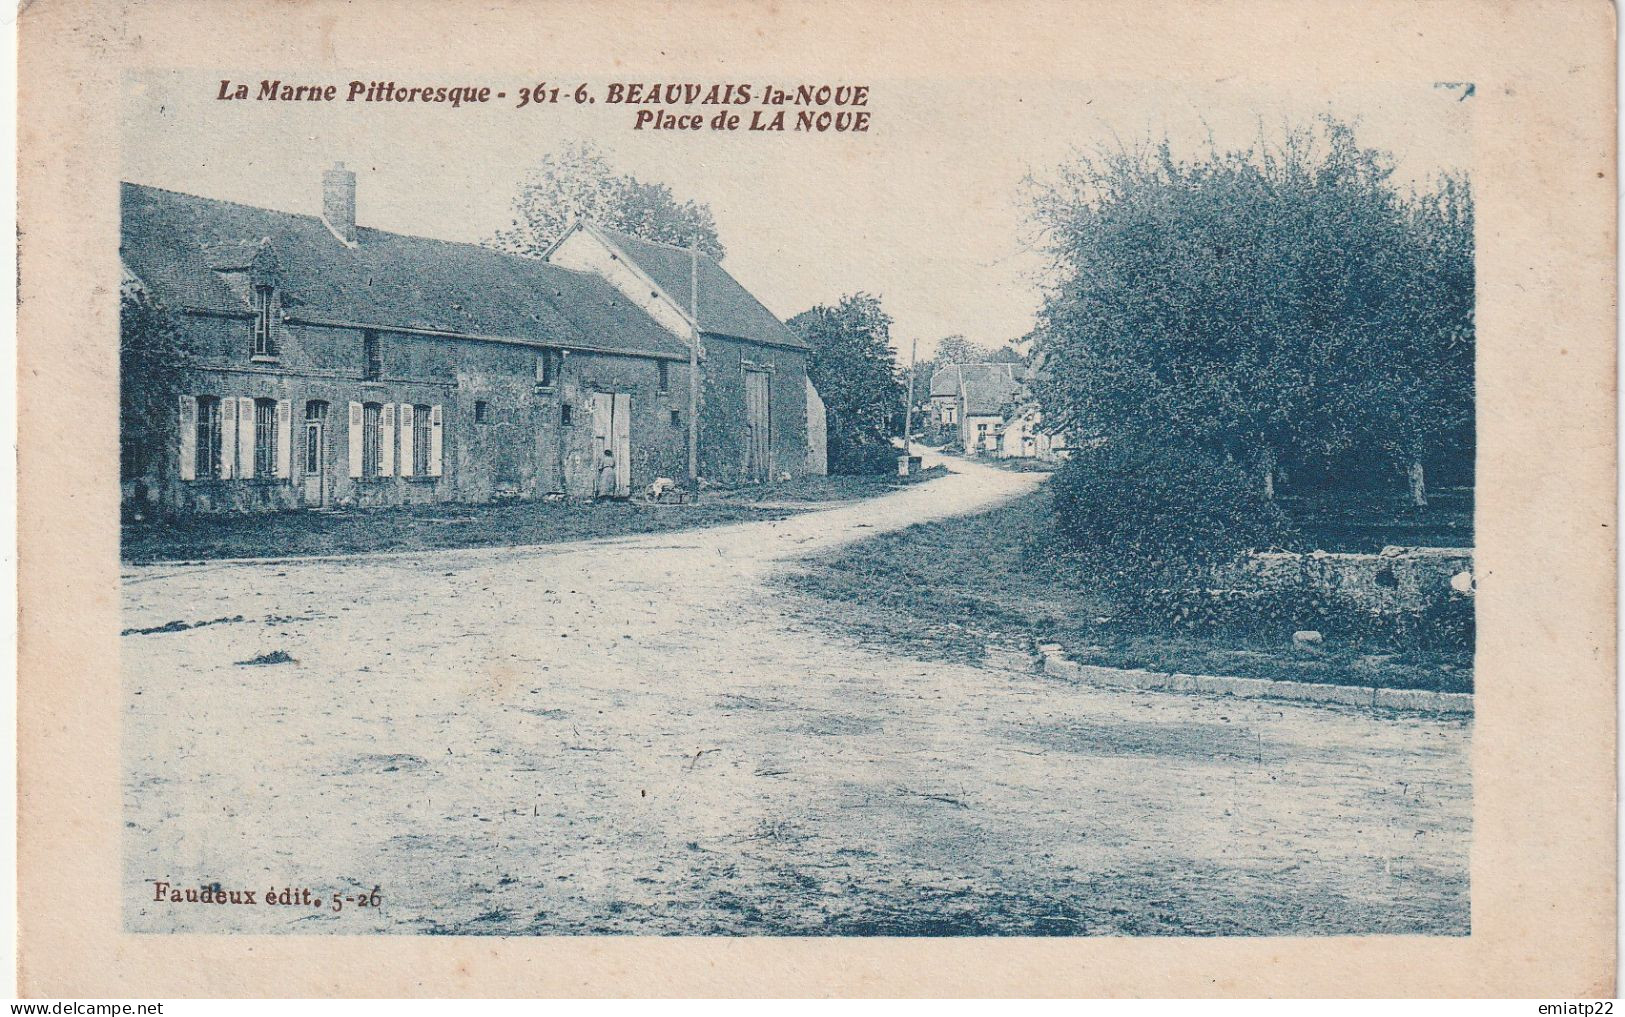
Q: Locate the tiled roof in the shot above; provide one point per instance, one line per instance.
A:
(945, 381)
(988, 388)
(726, 308)
(185, 249)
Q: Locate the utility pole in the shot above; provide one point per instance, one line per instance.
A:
(694, 367)
(908, 410)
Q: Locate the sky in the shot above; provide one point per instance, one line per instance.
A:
(924, 210)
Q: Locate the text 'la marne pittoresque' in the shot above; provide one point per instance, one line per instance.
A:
(822, 107)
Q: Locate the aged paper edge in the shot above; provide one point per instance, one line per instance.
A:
(1543, 868)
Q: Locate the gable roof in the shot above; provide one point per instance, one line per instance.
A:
(726, 307)
(987, 388)
(945, 381)
(194, 252)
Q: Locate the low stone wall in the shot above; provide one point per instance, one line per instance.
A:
(1057, 665)
(1399, 580)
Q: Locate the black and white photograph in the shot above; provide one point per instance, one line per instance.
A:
(528, 528)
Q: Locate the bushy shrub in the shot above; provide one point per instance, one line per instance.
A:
(862, 455)
(1143, 525)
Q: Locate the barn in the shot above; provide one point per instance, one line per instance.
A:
(324, 364)
(755, 393)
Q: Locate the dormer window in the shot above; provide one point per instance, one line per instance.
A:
(264, 336)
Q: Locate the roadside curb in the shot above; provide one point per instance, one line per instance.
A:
(1057, 665)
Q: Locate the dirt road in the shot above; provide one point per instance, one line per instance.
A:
(637, 736)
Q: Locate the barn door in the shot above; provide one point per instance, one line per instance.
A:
(758, 428)
(621, 443)
(612, 431)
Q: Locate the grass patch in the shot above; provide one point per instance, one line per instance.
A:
(949, 589)
(446, 525)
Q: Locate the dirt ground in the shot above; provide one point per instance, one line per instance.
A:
(640, 736)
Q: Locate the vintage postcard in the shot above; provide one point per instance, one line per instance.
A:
(842, 498)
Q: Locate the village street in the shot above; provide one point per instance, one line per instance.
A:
(642, 736)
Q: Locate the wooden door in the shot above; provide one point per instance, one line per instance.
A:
(314, 465)
(758, 428)
(612, 431)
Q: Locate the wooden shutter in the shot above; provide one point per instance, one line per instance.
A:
(621, 442)
(435, 443)
(356, 425)
(228, 438)
(188, 426)
(245, 437)
(603, 410)
(406, 439)
(386, 441)
(284, 438)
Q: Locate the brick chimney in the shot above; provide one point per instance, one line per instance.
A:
(338, 202)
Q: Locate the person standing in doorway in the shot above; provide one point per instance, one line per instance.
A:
(606, 476)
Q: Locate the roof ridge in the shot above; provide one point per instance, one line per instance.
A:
(220, 201)
(477, 245)
(652, 243)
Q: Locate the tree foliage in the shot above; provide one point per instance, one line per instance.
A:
(1283, 301)
(956, 349)
(578, 182)
(150, 351)
(1142, 521)
(856, 373)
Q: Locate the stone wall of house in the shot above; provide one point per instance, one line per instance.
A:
(975, 439)
(723, 429)
(502, 433)
(1400, 580)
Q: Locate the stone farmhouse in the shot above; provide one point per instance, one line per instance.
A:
(969, 402)
(988, 410)
(327, 364)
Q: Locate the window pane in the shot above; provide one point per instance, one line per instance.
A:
(370, 448)
(265, 437)
(208, 437)
(263, 305)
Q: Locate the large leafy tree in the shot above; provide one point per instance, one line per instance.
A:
(150, 351)
(956, 349)
(1280, 301)
(579, 182)
(856, 373)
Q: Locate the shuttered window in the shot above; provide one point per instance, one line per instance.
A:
(265, 438)
(371, 446)
(207, 455)
(422, 438)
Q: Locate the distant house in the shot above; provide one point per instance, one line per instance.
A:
(969, 402)
(329, 364)
(1022, 436)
